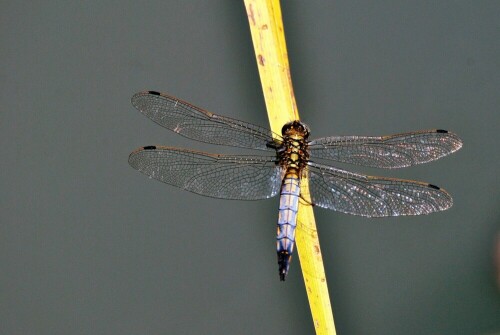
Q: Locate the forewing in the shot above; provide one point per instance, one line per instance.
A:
(218, 176)
(393, 151)
(197, 124)
(370, 196)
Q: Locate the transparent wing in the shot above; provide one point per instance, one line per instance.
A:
(197, 124)
(393, 151)
(218, 176)
(370, 196)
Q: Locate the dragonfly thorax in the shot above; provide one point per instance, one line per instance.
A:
(293, 153)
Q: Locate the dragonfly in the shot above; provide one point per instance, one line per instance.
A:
(287, 159)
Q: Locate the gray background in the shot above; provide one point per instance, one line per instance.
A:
(90, 246)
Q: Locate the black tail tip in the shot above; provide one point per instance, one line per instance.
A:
(284, 259)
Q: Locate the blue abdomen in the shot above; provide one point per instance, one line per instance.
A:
(287, 221)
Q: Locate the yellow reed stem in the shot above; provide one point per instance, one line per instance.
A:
(268, 38)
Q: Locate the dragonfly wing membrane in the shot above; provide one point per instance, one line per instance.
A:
(370, 196)
(218, 176)
(393, 151)
(197, 124)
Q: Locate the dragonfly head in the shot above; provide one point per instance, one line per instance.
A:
(296, 128)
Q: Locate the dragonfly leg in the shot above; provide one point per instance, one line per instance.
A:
(305, 201)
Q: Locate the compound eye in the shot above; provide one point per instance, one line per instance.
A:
(286, 128)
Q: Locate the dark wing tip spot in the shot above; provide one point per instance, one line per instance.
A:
(442, 131)
(149, 147)
(154, 93)
(434, 187)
